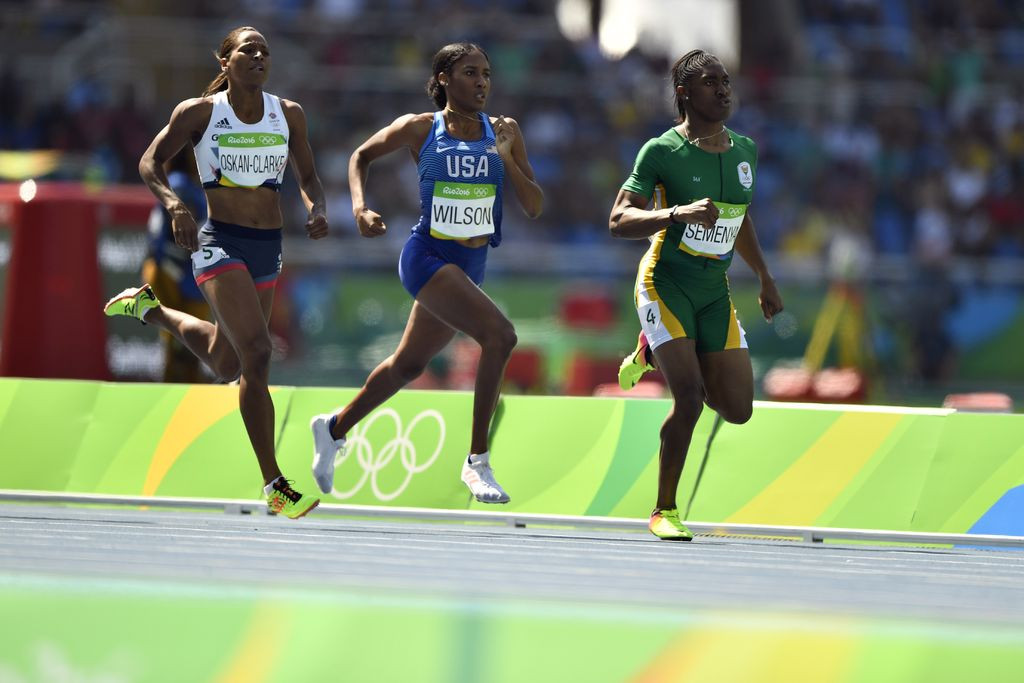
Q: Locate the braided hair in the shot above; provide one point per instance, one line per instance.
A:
(689, 65)
(443, 62)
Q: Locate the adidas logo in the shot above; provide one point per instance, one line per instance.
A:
(223, 123)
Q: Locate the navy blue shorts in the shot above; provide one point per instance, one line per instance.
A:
(226, 246)
(423, 255)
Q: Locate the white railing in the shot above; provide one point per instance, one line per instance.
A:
(525, 519)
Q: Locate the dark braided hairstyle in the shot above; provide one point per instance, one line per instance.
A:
(230, 42)
(689, 65)
(443, 62)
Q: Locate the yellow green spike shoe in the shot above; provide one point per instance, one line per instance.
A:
(282, 499)
(133, 302)
(634, 365)
(665, 525)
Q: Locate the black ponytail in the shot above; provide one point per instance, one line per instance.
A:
(442, 63)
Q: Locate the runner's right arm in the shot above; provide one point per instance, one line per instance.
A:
(631, 220)
(407, 131)
(187, 123)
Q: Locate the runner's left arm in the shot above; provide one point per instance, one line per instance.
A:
(305, 170)
(509, 141)
(748, 246)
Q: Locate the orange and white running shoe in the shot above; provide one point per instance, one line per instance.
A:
(479, 477)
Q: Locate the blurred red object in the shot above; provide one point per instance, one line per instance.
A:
(839, 385)
(594, 310)
(831, 385)
(53, 322)
(788, 384)
(525, 370)
(643, 389)
(982, 402)
(585, 373)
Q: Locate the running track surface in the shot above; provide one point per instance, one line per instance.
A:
(92, 594)
(588, 568)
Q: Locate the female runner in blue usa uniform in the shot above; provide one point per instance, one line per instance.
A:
(464, 158)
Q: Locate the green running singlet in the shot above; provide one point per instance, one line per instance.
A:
(682, 291)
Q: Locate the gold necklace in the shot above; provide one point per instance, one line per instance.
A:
(475, 119)
(697, 141)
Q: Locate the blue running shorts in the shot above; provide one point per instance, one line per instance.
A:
(424, 255)
(225, 246)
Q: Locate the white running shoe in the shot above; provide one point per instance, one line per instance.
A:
(325, 451)
(479, 477)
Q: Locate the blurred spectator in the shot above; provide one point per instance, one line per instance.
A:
(168, 268)
(888, 129)
(891, 92)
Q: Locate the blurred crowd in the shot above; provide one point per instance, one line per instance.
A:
(885, 127)
(898, 122)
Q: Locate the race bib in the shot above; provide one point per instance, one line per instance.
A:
(717, 240)
(204, 257)
(250, 159)
(462, 210)
(650, 318)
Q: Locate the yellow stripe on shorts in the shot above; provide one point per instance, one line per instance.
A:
(645, 285)
(733, 341)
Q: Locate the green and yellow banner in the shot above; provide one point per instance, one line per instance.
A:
(804, 465)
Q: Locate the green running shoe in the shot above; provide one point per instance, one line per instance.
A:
(134, 302)
(634, 365)
(665, 525)
(282, 499)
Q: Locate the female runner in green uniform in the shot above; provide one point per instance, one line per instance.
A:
(701, 176)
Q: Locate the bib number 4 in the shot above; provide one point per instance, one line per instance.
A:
(650, 318)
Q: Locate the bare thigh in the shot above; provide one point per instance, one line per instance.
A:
(457, 301)
(678, 363)
(729, 383)
(242, 311)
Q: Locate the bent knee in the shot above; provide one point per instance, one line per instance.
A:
(686, 407)
(255, 354)
(501, 338)
(406, 370)
(737, 415)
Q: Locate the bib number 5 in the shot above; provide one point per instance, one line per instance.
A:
(207, 256)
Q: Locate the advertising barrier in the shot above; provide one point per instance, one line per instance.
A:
(931, 470)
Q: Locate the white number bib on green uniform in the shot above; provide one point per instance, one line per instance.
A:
(462, 210)
(718, 239)
(248, 159)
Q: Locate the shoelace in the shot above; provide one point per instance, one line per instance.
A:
(486, 474)
(669, 515)
(287, 491)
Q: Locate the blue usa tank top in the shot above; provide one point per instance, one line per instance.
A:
(460, 184)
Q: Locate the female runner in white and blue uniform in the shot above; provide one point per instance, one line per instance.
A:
(243, 138)
(463, 157)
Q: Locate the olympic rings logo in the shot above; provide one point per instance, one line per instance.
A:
(734, 211)
(401, 444)
(268, 139)
(481, 192)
